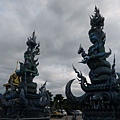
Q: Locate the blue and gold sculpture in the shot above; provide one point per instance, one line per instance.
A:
(21, 99)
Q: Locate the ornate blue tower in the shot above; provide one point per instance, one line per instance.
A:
(21, 99)
(101, 100)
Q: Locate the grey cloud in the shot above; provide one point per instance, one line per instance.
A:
(61, 25)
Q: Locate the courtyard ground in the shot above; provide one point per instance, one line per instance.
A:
(67, 118)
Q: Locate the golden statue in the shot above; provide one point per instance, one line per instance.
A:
(14, 80)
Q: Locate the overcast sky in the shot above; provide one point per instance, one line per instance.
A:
(60, 25)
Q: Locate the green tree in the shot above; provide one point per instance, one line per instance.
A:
(58, 99)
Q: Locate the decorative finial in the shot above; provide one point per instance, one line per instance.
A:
(31, 43)
(96, 20)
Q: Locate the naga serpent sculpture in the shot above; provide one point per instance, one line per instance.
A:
(22, 99)
(102, 95)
